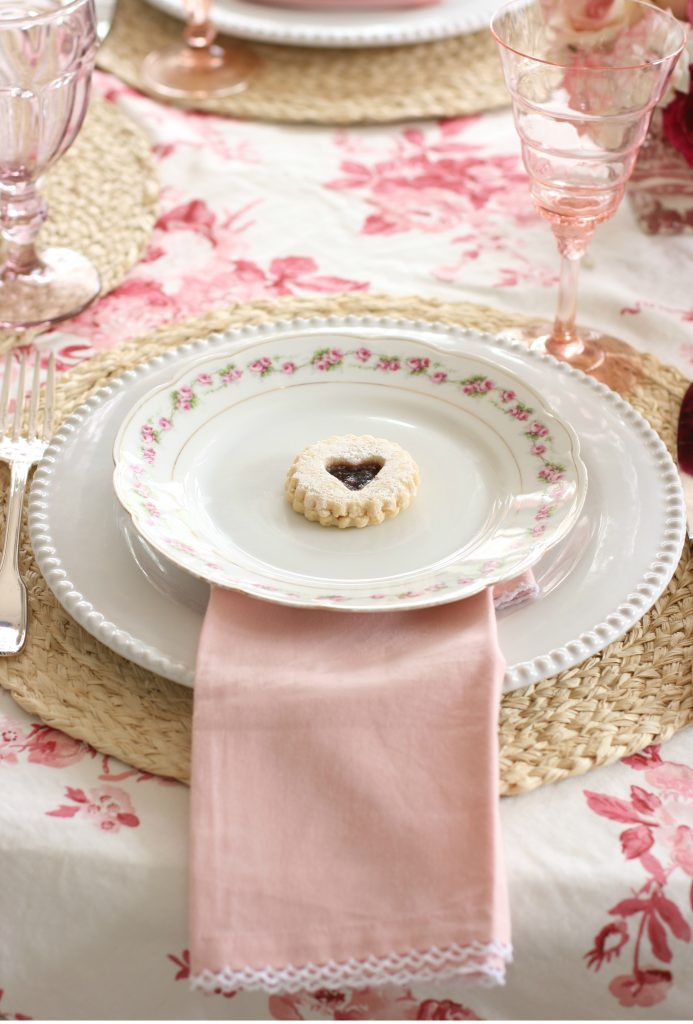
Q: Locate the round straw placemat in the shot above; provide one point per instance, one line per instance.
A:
(449, 78)
(102, 197)
(636, 691)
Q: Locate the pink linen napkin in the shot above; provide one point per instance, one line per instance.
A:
(344, 824)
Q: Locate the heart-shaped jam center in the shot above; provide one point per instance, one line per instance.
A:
(355, 476)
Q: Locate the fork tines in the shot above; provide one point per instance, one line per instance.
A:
(38, 426)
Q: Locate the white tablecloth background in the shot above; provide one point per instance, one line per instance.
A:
(93, 854)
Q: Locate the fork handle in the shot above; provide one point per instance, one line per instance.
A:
(13, 606)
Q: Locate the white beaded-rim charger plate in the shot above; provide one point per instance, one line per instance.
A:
(595, 584)
(201, 465)
(264, 23)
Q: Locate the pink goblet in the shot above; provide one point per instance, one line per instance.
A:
(199, 67)
(584, 80)
(47, 51)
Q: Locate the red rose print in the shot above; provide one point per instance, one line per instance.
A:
(658, 821)
(107, 808)
(644, 988)
(431, 1009)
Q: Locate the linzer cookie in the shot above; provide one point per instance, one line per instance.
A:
(352, 481)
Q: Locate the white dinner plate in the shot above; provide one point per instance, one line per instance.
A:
(264, 23)
(200, 465)
(595, 584)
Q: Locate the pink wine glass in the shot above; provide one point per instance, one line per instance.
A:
(47, 51)
(583, 88)
(199, 67)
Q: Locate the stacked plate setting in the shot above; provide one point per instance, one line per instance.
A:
(524, 463)
(343, 27)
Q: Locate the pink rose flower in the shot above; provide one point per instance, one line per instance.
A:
(288, 368)
(574, 17)
(261, 365)
(184, 404)
(152, 509)
(230, 376)
(550, 474)
(518, 413)
(147, 432)
(538, 449)
(149, 455)
(363, 354)
(538, 430)
(185, 392)
(417, 365)
(508, 396)
(323, 363)
(204, 378)
(164, 423)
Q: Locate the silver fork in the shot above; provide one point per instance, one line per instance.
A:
(20, 449)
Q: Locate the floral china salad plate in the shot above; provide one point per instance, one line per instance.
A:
(201, 464)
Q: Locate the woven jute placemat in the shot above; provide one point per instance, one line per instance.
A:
(449, 78)
(102, 197)
(636, 691)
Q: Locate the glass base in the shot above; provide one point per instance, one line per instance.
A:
(607, 359)
(61, 286)
(184, 72)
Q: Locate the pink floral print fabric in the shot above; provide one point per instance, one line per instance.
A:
(93, 920)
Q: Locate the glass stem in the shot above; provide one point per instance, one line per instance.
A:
(572, 240)
(199, 30)
(22, 213)
(563, 332)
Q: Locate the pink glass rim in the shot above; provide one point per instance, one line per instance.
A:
(36, 19)
(520, 4)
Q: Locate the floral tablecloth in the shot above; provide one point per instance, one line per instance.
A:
(93, 853)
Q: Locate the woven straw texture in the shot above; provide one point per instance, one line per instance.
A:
(636, 691)
(102, 197)
(449, 78)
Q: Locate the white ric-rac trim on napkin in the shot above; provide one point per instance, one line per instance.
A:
(525, 591)
(485, 960)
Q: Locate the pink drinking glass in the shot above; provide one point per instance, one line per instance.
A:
(584, 80)
(47, 51)
(199, 66)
